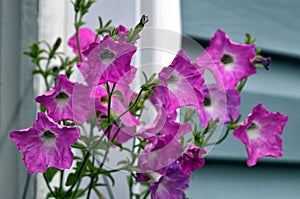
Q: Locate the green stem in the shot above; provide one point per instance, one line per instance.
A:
(221, 140)
(79, 173)
(132, 105)
(61, 181)
(98, 193)
(77, 187)
(91, 183)
(242, 84)
(77, 36)
(110, 93)
(146, 195)
(46, 82)
(48, 185)
(48, 63)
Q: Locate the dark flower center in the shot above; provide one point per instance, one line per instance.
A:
(172, 79)
(107, 56)
(207, 101)
(48, 135)
(62, 96)
(253, 126)
(227, 59)
(104, 100)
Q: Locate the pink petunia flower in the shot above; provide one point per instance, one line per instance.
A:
(171, 185)
(218, 104)
(230, 62)
(183, 80)
(58, 101)
(261, 134)
(192, 159)
(86, 37)
(107, 61)
(46, 144)
(164, 146)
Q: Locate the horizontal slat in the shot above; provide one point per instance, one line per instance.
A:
(274, 23)
(217, 180)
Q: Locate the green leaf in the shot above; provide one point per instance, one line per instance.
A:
(80, 193)
(125, 162)
(104, 123)
(145, 76)
(50, 173)
(72, 179)
(100, 22)
(120, 95)
(55, 47)
(77, 145)
(108, 23)
(152, 77)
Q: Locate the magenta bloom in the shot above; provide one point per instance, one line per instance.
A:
(58, 101)
(192, 159)
(219, 104)
(150, 130)
(171, 185)
(86, 37)
(46, 144)
(261, 134)
(163, 98)
(122, 33)
(183, 80)
(108, 61)
(230, 62)
(164, 147)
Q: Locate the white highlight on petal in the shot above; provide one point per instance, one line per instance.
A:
(253, 132)
(173, 81)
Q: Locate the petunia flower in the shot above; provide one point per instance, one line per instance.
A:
(265, 61)
(122, 33)
(183, 80)
(162, 98)
(261, 134)
(86, 37)
(164, 147)
(171, 185)
(58, 101)
(192, 159)
(219, 104)
(107, 61)
(46, 144)
(230, 62)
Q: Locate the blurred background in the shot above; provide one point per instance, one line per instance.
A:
(274, 23)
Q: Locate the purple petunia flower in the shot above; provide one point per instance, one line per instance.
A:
(171, 185)
(192, 159)
(219, 104)
(46, 144)
(58, 101)
(183, 80)
(261, 134)
(107, 61)
(164, 146)
(86, 37)
(230, 62)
